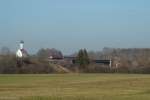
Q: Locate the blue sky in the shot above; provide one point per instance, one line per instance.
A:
(69, 25)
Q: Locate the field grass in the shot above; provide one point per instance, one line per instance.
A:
(75, 87)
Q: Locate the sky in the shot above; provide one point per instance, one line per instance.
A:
(69, 25)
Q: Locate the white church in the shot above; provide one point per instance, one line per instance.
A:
(21, 52)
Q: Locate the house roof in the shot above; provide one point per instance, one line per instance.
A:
(24, 51)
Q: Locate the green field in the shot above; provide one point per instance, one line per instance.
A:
(75, 87)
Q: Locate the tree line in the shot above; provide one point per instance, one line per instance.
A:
(124, 60)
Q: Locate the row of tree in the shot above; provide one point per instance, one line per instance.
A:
(132, 60)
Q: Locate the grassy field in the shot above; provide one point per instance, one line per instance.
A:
(75, 87)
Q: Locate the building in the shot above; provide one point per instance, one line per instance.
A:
(21, 52)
